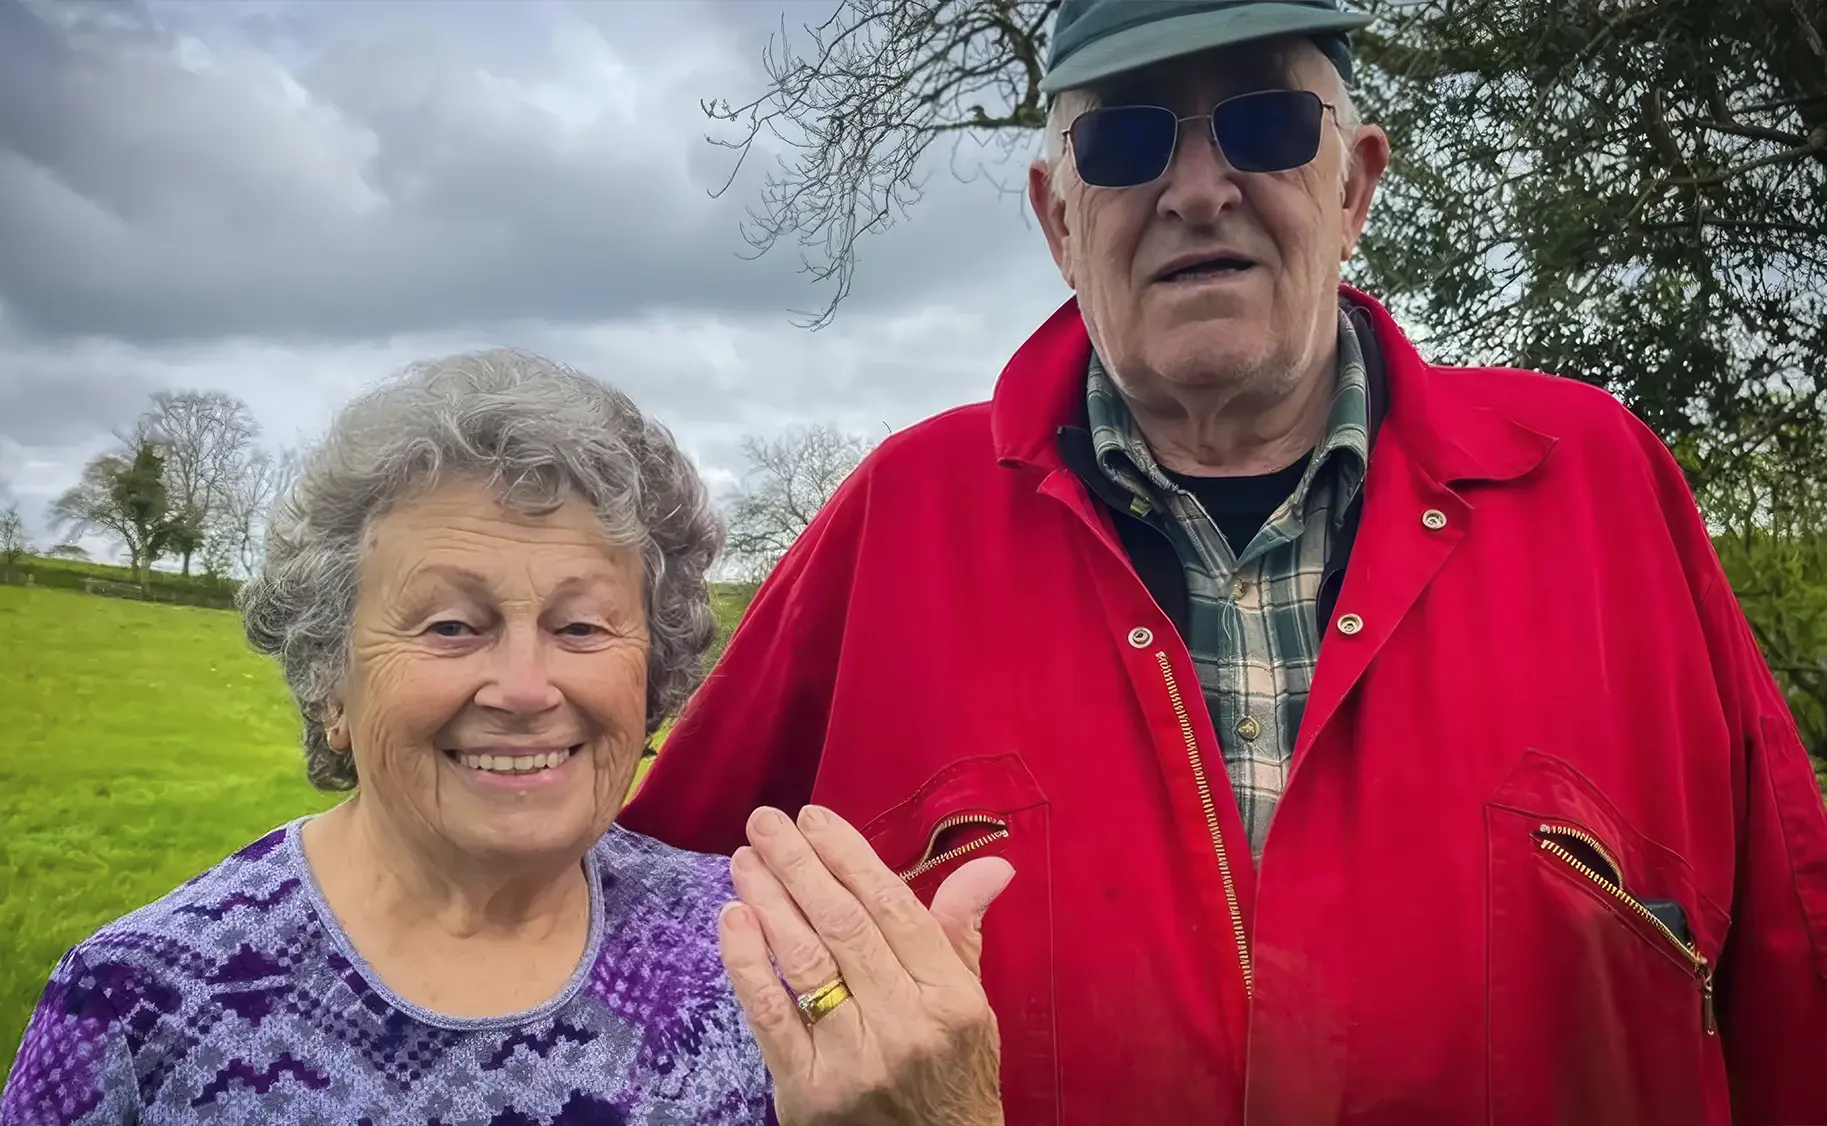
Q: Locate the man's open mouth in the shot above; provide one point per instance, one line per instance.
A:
(1208, 268)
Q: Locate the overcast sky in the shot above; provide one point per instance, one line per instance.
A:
(288, 200)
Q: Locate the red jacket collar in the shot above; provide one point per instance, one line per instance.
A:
(1450, 435)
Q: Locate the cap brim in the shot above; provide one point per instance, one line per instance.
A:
(1177, 36)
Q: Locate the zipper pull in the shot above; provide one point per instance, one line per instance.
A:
(1708, 1020)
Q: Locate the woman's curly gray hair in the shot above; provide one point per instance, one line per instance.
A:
(534, 430)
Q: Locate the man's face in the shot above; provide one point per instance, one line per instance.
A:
(1253, 329)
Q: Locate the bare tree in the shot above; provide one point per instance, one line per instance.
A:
(880, 81)
(13, 540)
(125, 498)
(206, 438)
(239, 534)
(218, 555)
(789, 479)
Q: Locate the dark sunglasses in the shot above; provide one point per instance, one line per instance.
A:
(1264, 131)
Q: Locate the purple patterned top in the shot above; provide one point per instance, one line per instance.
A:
(237, 999)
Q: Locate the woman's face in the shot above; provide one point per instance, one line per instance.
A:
(496, 698)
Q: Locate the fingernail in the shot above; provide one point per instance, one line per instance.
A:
(767, 822)
(742, 858)
(727, 915)
(814, 817)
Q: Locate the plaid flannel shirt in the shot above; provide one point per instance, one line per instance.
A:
(1252, 625)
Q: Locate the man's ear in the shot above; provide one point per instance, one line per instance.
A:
(1369, 160)
(1050, 209)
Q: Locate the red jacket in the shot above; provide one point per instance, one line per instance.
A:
(959, 655)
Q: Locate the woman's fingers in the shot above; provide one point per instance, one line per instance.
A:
(798, 951)
(772, 1012)
(869, 966)
(916, 937)
(961, 901)
(915, 1046)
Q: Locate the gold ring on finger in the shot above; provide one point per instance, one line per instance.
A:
(819, 1003)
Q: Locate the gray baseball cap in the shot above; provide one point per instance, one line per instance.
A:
(1098, 39)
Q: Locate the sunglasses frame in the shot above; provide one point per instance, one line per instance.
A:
(1210, 117)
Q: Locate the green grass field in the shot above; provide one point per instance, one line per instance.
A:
(142, 744)
(139, 744)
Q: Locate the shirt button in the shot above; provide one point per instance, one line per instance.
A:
(1433, 519)
(1140, 636)
(1350, 624)
(1248, 729)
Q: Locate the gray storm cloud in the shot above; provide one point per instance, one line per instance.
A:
(286, 200)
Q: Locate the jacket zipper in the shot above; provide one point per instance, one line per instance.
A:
(999, 831)
(1615, 889)
(1211, 822)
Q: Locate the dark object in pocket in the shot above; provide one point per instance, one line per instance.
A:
(1671, 915)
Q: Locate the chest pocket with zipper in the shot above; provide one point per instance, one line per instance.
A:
(1601, 951)
(991, 806)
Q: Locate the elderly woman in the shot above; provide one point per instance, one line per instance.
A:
(486, 591)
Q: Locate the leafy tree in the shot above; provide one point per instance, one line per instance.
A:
(185, 532)
(789, 479)
(1631, 194)
(1773, 543)
(124, 498)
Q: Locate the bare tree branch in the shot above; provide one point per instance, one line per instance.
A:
(1815, 143)
(206, 438)
(789, 479)
(239, 532)
(858, 109)
(1780, 136)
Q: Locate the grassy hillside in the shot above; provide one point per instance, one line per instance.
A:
(143, 742)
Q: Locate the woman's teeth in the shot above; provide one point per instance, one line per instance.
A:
(515, 764)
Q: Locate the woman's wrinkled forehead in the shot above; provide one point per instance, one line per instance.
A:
(1195, 83)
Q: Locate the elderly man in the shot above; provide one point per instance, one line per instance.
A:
(1373, 742)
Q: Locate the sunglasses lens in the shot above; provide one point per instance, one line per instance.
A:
(1122, 146)
(1269, 131)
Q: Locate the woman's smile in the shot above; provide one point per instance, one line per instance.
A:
(516, 768)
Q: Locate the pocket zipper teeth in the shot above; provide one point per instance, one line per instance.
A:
(1701, 968)
(999, 832)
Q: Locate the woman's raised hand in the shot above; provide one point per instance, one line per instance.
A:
(883, 1018)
